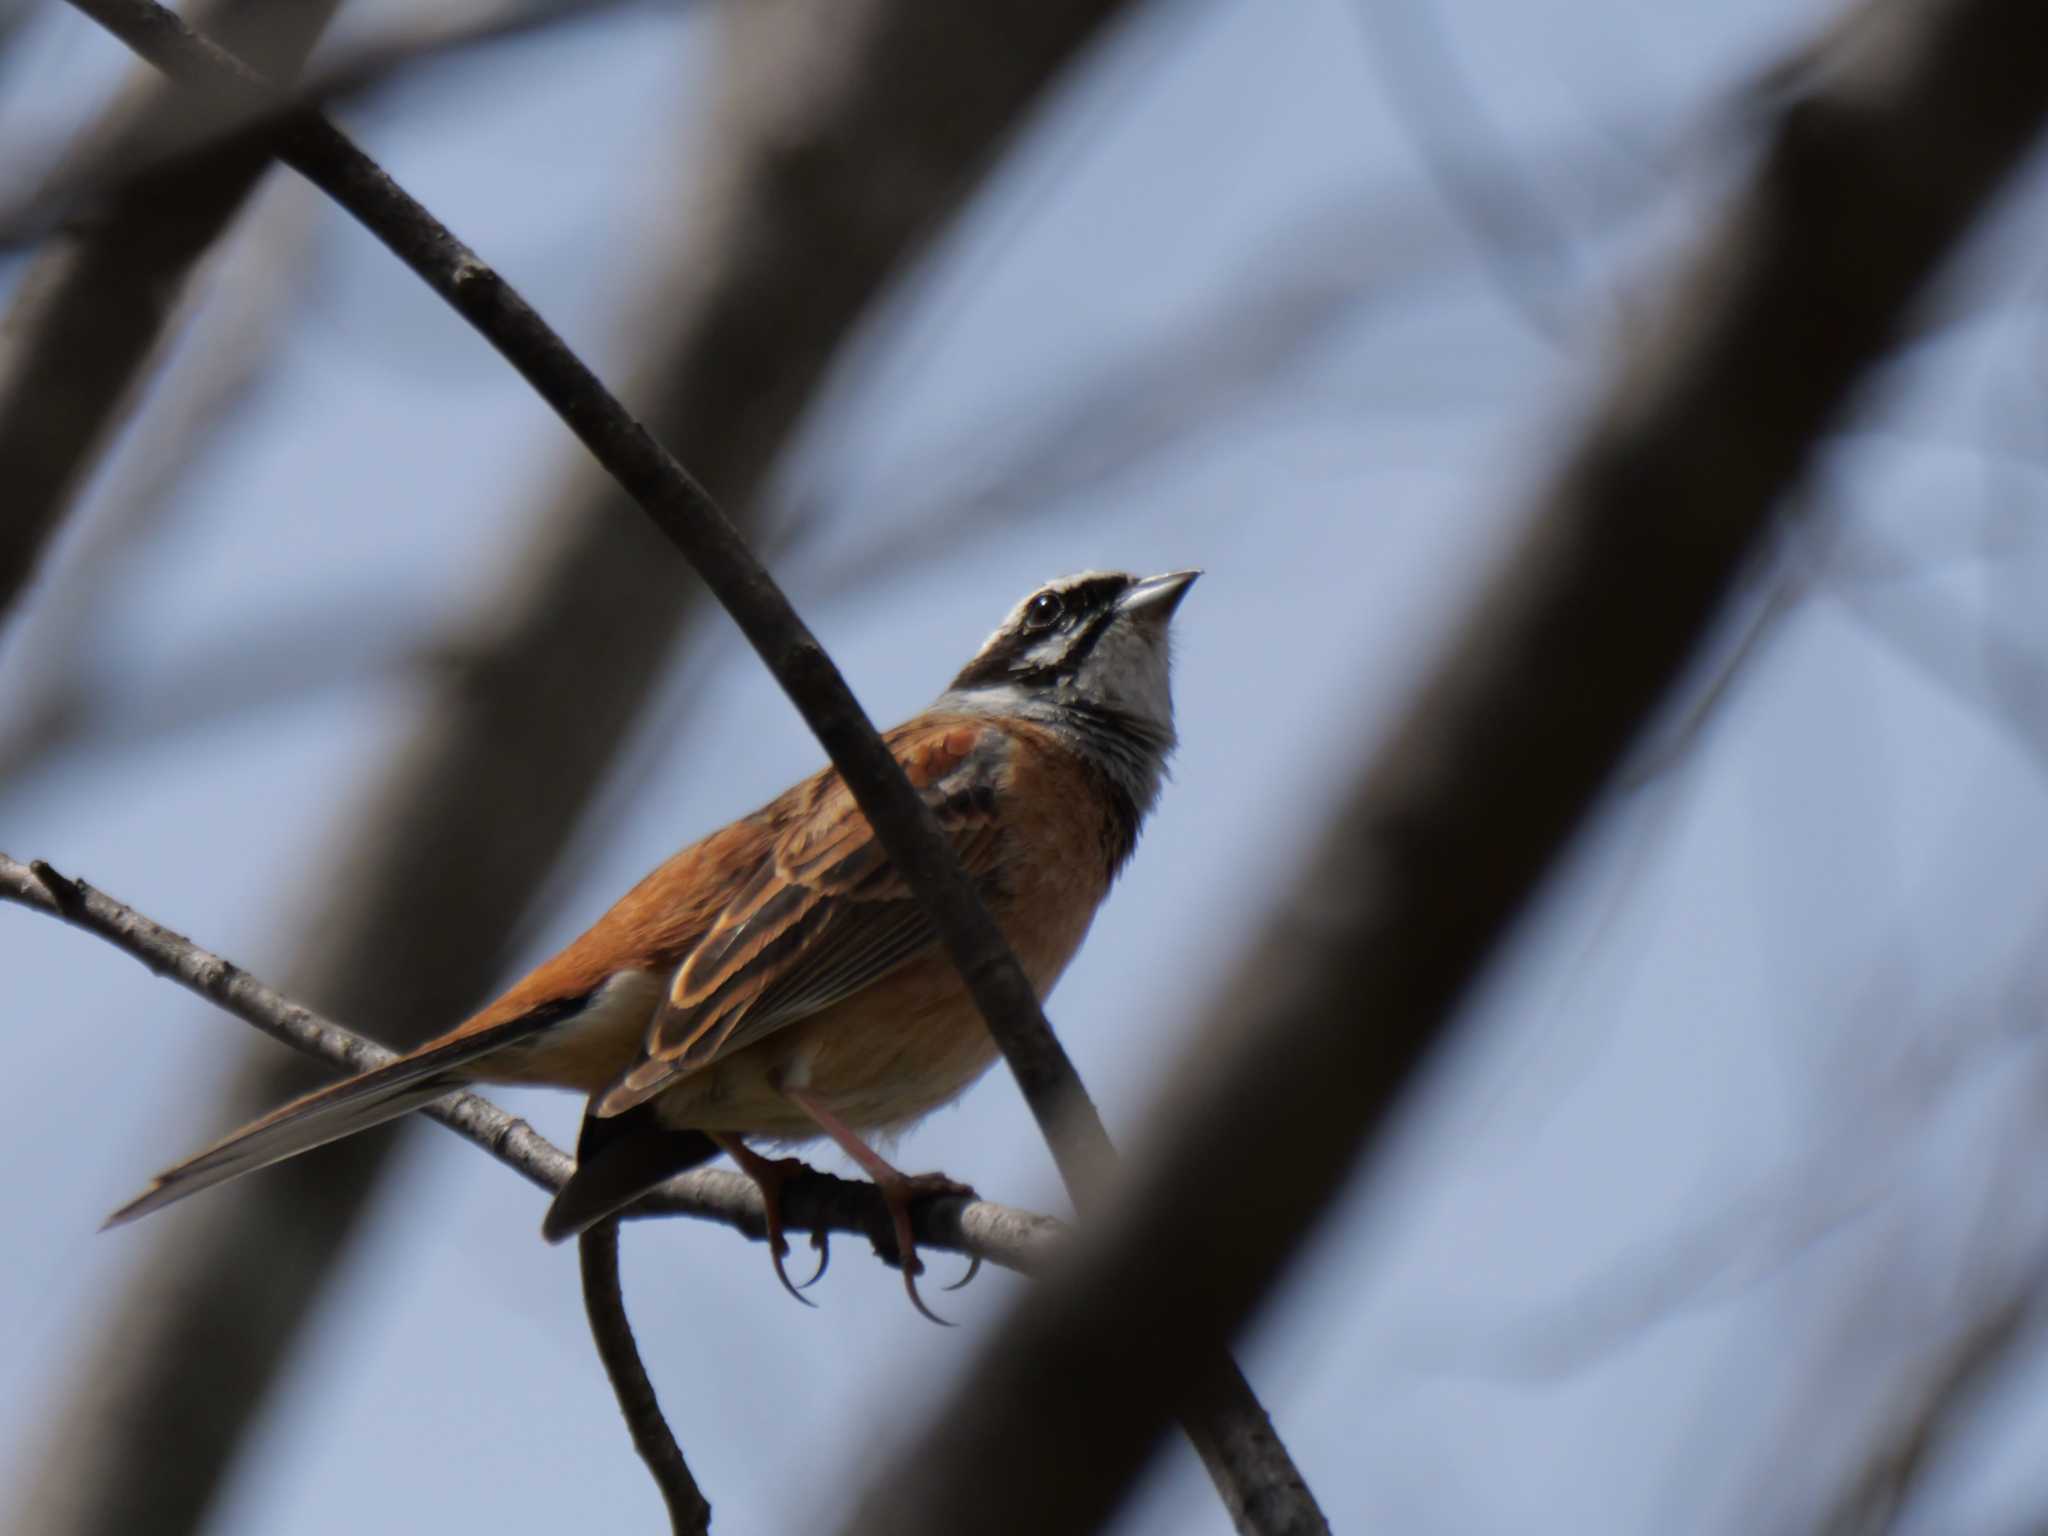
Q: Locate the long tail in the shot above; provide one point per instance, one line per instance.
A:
(340, 1109)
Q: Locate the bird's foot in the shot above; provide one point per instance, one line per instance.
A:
(771, 1175)
(899, 1192)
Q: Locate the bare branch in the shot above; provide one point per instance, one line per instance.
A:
(1524, 248)
(1868, 184)
(1017, 1240)
(684, 511)
(817, 1201)
(689, 1512)
(686, 514)
(416, 914)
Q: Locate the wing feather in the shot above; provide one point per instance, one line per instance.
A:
(824, 915)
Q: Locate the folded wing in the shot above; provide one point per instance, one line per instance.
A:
(823, 915)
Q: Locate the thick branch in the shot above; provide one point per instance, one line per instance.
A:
(1510, 743)
(1014, 1239)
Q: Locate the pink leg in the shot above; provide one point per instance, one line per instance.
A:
(770, 1174)
(898, 1189)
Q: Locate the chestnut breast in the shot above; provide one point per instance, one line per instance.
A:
(914, 1040)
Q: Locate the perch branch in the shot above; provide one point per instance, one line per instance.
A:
(686, 514)
(1229, 1427)
(1018, 1240)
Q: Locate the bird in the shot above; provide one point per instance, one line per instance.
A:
(776, 981)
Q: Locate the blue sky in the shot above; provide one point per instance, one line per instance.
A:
(1729, 1142)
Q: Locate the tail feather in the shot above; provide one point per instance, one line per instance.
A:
(618, 1159)
(340, 1109)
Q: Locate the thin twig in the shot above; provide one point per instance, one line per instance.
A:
(1626, 562)
(1018, 1240)
(689, 1512)
(1228, 1426)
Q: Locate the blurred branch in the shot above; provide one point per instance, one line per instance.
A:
(1523, 248)
(685, 512)
(91, 311)
(1018, 1240)
(1866, 186)
(1267, 324)
(1876, 1112)
(75, 194)
(55, 701)
(65, 709)
(13, 13)
(1232, 1432)
(831, 161)
(689, 1512)
(1876, 1495)
(1980, 664)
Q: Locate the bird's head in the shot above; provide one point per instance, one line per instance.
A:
(1088, 654)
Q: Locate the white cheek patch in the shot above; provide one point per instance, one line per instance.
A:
(1049, 652)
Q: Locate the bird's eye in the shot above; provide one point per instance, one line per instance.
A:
(1044, 610)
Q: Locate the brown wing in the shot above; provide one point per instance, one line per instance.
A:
(824, 913)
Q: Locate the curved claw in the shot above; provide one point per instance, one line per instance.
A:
(823, 1243)
(777, 1250)
(897, 1197)
(973, 1269)
(917, 1301)
(769, 1177)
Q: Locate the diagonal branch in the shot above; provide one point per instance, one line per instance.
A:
(1228, 1425)
(1509, 744)
(684, 511)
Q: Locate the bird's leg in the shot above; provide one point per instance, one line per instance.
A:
(899, 1189)
(770, 1174)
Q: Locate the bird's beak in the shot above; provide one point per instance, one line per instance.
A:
(1156, 597)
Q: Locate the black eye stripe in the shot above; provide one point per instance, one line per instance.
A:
(1087, 607)
(1097, 592)
(1073, 655)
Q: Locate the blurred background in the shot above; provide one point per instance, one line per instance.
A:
(1724, 1211)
